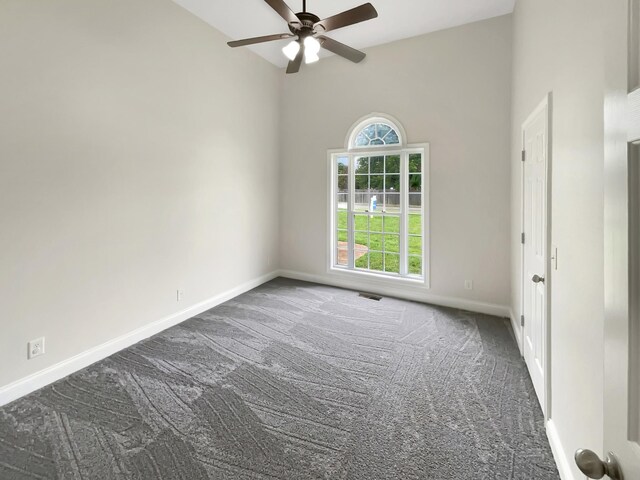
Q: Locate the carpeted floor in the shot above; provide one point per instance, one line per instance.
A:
(292, 381)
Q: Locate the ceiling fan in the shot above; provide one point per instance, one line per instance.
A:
(309, 29)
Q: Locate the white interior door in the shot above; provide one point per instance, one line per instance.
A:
(535, 157)
(620, 458)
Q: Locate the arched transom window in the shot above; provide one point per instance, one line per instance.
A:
(377, 134)
(378, 202)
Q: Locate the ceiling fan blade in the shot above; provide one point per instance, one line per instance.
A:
(344, 19)
(294, 65)
(284, 11)
(267, 38)
(356, 56)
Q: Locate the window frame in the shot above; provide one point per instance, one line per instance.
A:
(352, 152)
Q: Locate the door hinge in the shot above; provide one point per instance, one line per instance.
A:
(524, 155)
(522, 320)
(522, 238)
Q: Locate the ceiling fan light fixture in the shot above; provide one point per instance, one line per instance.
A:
(311, 50)
(291, 50)
(312, 45)
(311, 58)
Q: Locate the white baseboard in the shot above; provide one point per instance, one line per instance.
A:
(406, 292)
(559, 453)
(517, 331)
(35, 381)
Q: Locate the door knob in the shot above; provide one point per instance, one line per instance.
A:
(590, 464)
(537, 279)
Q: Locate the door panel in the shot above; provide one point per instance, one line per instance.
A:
(535, 135)
(633, 343)
(621, 238)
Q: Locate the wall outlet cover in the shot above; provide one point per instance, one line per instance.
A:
(35, 348)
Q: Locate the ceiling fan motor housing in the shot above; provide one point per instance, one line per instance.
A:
(307, 21)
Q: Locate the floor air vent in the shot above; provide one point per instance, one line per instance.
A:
(370, 296)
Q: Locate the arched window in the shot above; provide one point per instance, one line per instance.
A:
(375, 131)
(376, 134)
(378, 202)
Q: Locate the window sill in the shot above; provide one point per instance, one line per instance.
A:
(379, 277)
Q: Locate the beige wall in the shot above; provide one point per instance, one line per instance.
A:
(451, 89)
(558, 48)
(138, 155)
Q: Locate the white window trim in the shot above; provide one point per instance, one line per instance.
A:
(392, 279)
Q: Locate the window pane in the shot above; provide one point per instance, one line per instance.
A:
(361, 259)
(342, 220)
(343, 236)
(415, 265)
(343, 183)
(392, 138)
(362, 262)
(361, 242)
(343, 199)
(375, 223)
(361, 223)
(362, 165)
(362, 182)
(370, 131)
(392, 243)
(415, 163)
(382, 130)
(392, 164)
(362, 140)
(392, 183)
(377, 164)
(343, 165)
(415, 201)
(376, 261)
(392, 202)
(391, 263)
(376, 183)
(375, 242)
(415, 245)
(362, 201)
(415, 224)
(391, 224)
(375, 204)
(415, 183)
(343, 257)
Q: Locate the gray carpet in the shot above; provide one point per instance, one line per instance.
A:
(292, 381)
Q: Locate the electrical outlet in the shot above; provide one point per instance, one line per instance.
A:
(269, 260)
(35, 348)
(468, 284)
(179, 295)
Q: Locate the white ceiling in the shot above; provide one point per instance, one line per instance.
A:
(397, 19)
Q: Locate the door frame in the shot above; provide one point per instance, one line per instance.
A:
(547, 102)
